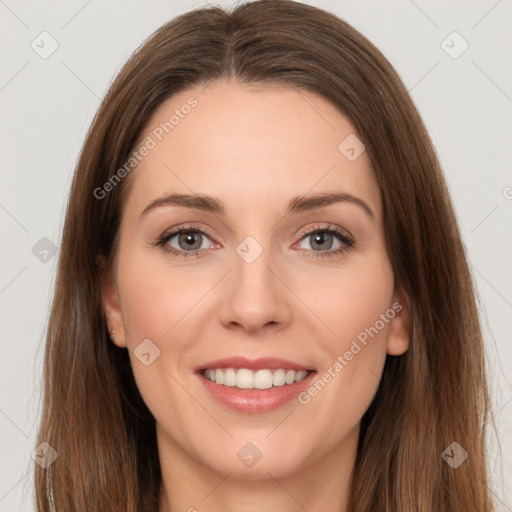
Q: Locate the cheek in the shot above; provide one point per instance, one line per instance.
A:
(357, 306)
(157, 304)
(351, 299)
(161, 303)
(155, 297)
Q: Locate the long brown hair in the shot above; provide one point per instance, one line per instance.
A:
(433, 395)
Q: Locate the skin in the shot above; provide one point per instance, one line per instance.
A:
(254, 148)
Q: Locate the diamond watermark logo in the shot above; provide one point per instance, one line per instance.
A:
(249, 454)
(44, 45)
(44, 250)
(454, 45)
(44, 455)
(146, 352)
(454, 455)
(249, 249)
(351, 147)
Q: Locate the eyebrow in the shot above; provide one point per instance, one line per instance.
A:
(297, 204)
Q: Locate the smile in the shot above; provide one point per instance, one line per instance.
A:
(254, 391)
(244, 378)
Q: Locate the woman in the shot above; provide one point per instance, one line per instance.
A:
(262, 301)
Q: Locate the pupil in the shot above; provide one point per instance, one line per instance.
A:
(188, 239)
(320, 238)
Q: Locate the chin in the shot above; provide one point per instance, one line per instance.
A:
(262, 468)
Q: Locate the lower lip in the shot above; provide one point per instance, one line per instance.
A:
(256, 400)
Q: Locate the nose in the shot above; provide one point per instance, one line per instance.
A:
(255, 296)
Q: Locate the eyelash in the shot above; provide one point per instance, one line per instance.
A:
(347, 241)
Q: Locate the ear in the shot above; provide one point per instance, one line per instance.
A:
(398, 337)
(111, 306)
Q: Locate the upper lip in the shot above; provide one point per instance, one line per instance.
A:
(271, 363)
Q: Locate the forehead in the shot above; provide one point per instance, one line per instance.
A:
(248, 144)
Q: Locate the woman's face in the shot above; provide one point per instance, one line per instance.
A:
(276, 275)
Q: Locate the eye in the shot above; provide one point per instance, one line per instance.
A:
(326, 241)
(185, 241)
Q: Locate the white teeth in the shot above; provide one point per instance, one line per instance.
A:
(279, 377)
(229, 377)
(301, 374)
(263, 379)
(244, 378)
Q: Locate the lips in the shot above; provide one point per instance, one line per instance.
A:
(255, 400)
(267, 390)
(270, 363)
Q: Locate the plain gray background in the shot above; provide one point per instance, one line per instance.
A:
(48, 103)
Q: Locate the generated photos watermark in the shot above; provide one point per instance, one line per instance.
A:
(355, 348)
(150, 143)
